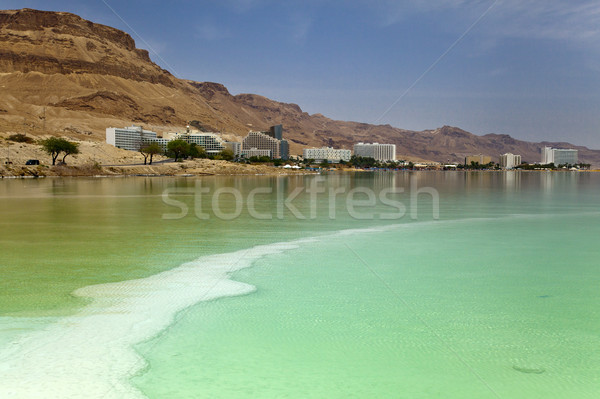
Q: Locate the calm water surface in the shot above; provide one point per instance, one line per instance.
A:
(106, 293)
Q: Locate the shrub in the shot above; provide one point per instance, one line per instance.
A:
(20, 138)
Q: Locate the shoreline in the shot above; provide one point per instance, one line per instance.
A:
(190, 168)
(91, 171)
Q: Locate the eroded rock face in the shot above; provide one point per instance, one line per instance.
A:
(63, 43)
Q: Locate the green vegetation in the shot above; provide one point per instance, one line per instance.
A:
(583, 165)
(20, 138)
(226, 155)
(149, 150)
(180, 149)
(197, 151)
(477, 166)
(526, 166)
(55, 146)
(363, 162)
(177, 149)
(263, 159)
(368, 162)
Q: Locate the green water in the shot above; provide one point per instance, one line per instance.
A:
(497, 298)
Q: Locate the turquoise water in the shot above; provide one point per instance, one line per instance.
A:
(497, 298)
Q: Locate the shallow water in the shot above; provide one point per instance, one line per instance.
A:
(497, 298)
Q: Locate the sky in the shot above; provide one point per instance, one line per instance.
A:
(528, 68)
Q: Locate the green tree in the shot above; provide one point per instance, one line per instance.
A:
(197, 151)
(227, 154)
(261, 159)
(177, 149)
(70, 148)
(54, 146)
(149, 150)
(363, 162)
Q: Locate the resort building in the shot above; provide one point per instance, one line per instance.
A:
(480, 159)
(260, 141)
(271, 140)
(129, 138)
(134, 137)
(211, 142)
(509, 161)
(326, 154)
(559, 156)
(379, 152)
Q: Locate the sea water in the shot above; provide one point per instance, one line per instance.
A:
(104, 296)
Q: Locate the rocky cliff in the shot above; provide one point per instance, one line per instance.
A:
(61, 74)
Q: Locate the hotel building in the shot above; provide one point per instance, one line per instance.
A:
(134, 137)
(480, 159)
(271, 140)
(509, 161)
(129, 138)
(559, 156)
(379, 152)
(211, 142)
(326, 154)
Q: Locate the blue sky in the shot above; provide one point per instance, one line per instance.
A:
(530, 69)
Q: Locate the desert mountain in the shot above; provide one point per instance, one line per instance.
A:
(63, 75)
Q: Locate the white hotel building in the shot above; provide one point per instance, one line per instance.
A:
(326, 154)
(211, 142)
(129, 138)
(509, 161)
(559, 156)
(380, 152)
(132, 138)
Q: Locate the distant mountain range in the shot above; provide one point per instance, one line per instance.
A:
(61, 74)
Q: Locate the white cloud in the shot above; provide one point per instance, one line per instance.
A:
(545, 19)
(548, 19)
